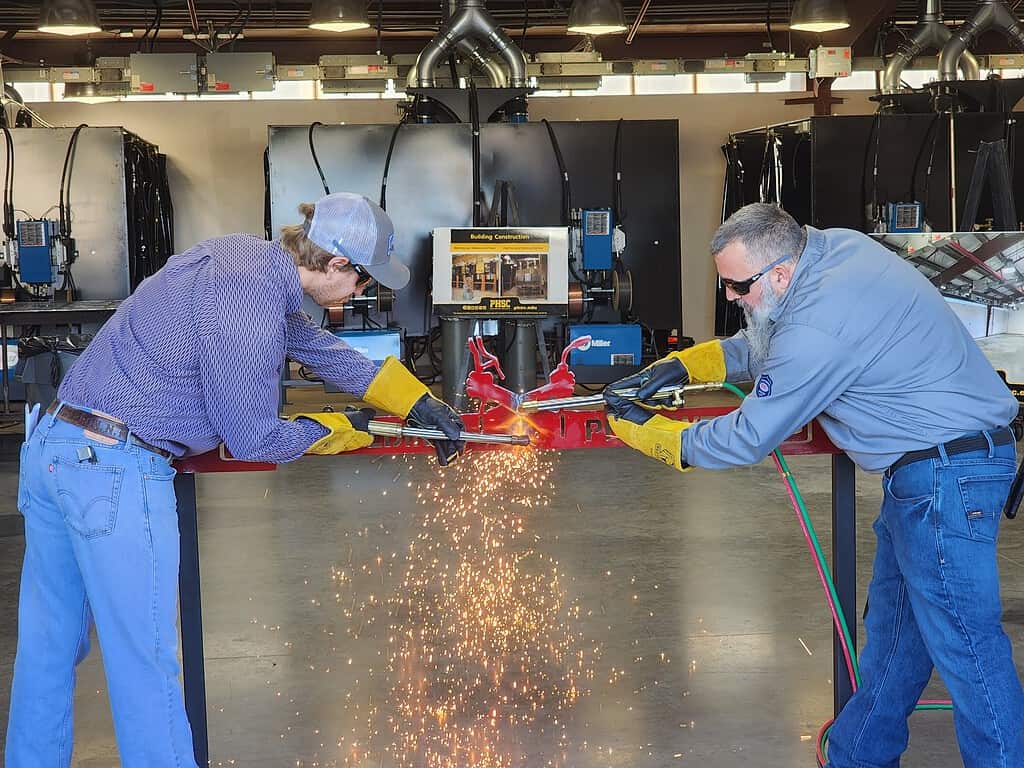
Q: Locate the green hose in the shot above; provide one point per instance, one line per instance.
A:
(805, 516)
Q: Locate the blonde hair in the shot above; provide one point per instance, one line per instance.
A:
(304, 251)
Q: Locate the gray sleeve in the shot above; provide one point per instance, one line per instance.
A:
(737, 358)
(805, 372)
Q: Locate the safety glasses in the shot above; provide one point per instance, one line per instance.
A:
(364, 278)
(742, 287)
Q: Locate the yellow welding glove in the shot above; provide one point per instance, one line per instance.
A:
(347, 431)
(697, 365)
(396, 390)
(704, 363)
(658, 437)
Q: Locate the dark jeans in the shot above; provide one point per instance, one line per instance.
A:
(934, 602)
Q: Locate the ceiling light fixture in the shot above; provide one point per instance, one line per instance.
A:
(68, 17)
(338, 15)
(819, 16)
(87, 93)
(596, 17)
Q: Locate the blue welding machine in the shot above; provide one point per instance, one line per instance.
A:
(375, 345)
(35, 249)
(610, 345)
(596, 235)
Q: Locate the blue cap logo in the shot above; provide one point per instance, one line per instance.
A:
(391, 244)
(763, 388)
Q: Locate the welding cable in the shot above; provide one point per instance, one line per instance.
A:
(316, 160)
(267, 227)
(387, 167)
(915, 173)
(8, 199)
(617, 175)
(563, 173)
(64, 204)
(474, 119)
(838, 617)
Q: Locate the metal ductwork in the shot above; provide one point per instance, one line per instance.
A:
(477, 55)
(470, 22)
(990, 14)
(929, 34)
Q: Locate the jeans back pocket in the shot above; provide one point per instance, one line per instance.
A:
(983, 498)
(88, 494)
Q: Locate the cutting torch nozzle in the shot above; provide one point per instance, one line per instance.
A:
(390, 429)
(670, 397)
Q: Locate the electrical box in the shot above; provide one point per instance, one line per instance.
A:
(596, 236)
(610, 345)
(233, 72)
(830, 61)
(35, 251)
(164, 72)
(904, 217)
(376, 345)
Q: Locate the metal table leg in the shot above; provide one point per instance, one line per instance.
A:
(3, 357)
(192, 616)
(844, 567)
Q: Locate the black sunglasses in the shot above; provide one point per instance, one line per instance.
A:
(742, 287)
(364, 278)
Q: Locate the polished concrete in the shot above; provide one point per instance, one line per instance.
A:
(704, 636)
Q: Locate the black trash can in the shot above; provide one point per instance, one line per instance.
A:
(44, 360)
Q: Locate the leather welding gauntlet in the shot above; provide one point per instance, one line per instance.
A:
(652, 434)
(396, 390)
(347, 431)
(697, 365)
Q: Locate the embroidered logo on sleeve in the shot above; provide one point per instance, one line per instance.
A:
(763, 388)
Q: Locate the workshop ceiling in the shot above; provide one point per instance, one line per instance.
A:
(690, 28)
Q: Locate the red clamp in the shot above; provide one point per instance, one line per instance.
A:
(480, 383)
(562, 381)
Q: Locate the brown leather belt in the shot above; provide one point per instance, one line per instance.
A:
(102, 425)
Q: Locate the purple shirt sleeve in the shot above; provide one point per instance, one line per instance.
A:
(240, 356)
(328, 356)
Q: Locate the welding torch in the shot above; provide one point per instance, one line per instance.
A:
(667, 397)
(391, 429)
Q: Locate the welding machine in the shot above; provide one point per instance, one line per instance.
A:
(375, 344)
(614, 351)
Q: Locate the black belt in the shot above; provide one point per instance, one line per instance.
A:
(1000, 436)
(103, 425)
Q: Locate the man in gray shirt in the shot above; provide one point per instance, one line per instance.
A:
(842, 330)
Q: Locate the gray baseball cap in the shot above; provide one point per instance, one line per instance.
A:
(350, 225)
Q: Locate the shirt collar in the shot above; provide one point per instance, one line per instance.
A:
(811, 255)
(289, 274)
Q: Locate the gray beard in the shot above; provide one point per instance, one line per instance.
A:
(760, 329)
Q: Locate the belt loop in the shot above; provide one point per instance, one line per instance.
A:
(991, 444)
(53, 419)
(942, 454)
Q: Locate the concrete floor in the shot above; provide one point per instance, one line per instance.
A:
(687, 603)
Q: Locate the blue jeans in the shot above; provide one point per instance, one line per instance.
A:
(101, 544)
(934, 602)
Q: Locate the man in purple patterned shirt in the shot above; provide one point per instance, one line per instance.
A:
(190, 360)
